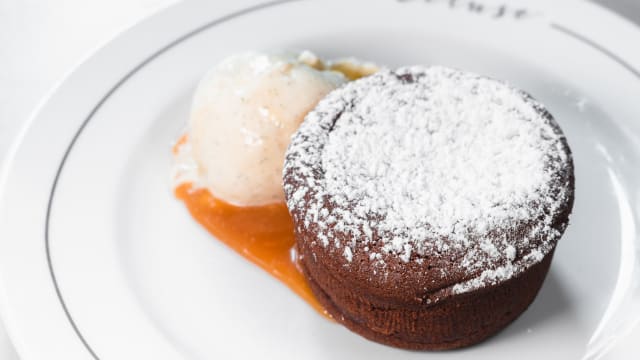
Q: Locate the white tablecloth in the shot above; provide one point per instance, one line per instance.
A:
(42, 40)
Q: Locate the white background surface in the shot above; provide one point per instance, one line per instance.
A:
(42, 40)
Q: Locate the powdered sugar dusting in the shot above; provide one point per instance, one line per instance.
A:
(431, 162)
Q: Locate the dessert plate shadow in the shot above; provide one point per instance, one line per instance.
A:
(98, 260)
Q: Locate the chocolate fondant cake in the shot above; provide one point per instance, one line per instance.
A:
(427, 204)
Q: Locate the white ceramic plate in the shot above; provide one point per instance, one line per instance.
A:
(99, 261)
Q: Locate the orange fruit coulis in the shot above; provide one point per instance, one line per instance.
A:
(262, 234)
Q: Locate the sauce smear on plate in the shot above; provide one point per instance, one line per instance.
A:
(262, 234)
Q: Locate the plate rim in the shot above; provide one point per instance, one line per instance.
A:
(617, 20)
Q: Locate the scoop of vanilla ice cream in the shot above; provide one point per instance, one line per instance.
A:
(242, 118)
